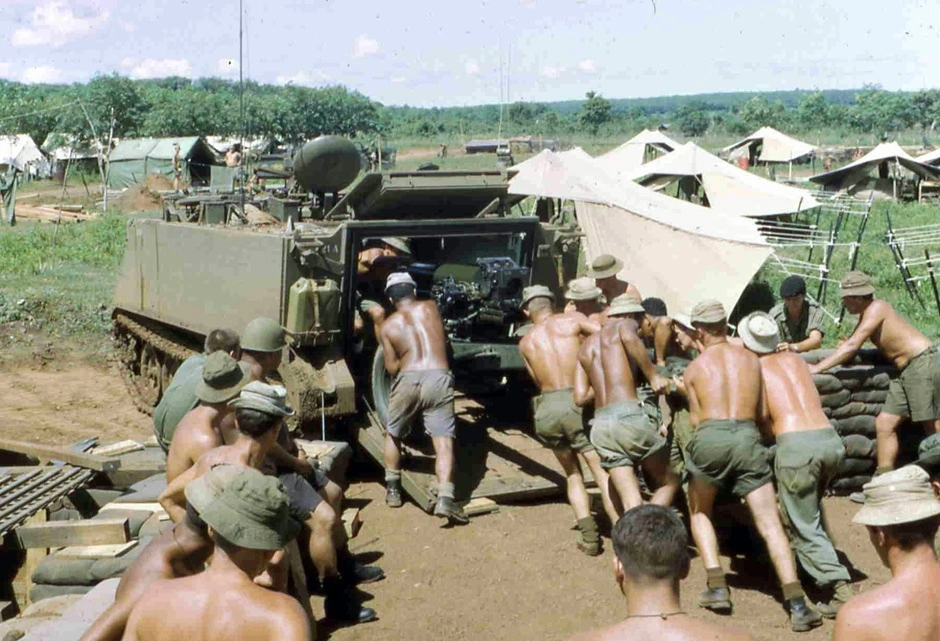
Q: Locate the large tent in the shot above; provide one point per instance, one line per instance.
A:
(726, 188)
(643, 147)
(930, 158)
(889, 159)
(19, 151)
(133, 159)
(669, 249)
(767, 145)
(68, 148)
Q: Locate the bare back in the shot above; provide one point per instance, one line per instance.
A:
(611, 372)
(550, 350)
(414, 337)
(194, 436)
(790, 396)
(894, 337)
(206, 609)
(724, 382)
(679, 628)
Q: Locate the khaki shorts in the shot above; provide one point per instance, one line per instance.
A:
(429, 393)
(303, 494)
(728, 453)
(559, 423)
(915, 393)
(625, 434)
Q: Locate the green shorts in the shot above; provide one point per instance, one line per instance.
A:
(428, 393)
(625, 434)
(728, 453)
(915, 393)
(680, 435)
(559, 423)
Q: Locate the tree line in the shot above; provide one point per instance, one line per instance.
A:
(211, 106)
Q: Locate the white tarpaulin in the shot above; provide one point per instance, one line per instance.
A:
(729, 189)
(930, 158)
(21, 152)
(855, 172)
(636, 151)
(775, 146)
(671, 249)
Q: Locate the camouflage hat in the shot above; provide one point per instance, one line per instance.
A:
(625, 304)
(605, 266)
(897, 497)
(532, 292)
(398, 243)
(856, 284)
(708, 311)
(264, 335)
(252, 512)
(583, 289)
(207, 488)
(222, 378)
(269, 399)
(759, 332)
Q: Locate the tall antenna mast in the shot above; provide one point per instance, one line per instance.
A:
(499, 132)
(241, 75)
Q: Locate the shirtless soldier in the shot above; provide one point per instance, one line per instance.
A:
(652, 557)
(724, 389)
(415, 349)
(249, 522)
(585, 297)
(201, 427)
(809, 453)
(624, 431)
(901, 513)
(915, 394)
(550, 352)
(604, 270)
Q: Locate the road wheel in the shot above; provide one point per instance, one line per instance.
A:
(149, 379)
(381, 385)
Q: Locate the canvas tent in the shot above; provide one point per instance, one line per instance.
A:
(258, 145)
(888, 159)
(19, 152)
(670, 250)
(767, 145)
(643, 147)
(133, 159)
(930, 158)
(64, 148)
(726, 188)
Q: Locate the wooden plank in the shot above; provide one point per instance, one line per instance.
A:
(50, 452)
(56, 534)
(96, 551)
(151, 506)
(23, 581)
(476, 507)
(17, 470)
(116, 449)
(299, 577)
(351, 521)
(371, 438)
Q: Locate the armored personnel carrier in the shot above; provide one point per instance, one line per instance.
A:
(472, 252)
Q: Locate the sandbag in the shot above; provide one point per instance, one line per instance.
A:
(858, 446)
(860, 424)
(55, 571)
(870, 396)
(849, 484)
(856, 467)
(856, 409)
(835, 399)
(39, 592)
(856, 378)
(146, 491)
(827, 384)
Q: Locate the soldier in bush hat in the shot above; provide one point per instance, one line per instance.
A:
(901, 513)
(586, 297)
(550, 352)
(915, 394)
(724, 386)
(249, 521)
(809, 454)
(799, 320)
(377, 260)
(604, 270)
(202, 427)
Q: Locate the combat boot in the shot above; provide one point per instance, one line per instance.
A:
(355, 573)
(841, 593)
(715, 599)
(590, 540)
(448, 509)
(802, 617)
(393, 493)
(340, 604)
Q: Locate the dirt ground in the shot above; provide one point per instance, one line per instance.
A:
(512, 575)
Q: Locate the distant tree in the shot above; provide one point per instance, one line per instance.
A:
(813, 111)
(925, 106)
(520, 114)
(117, 95)
(759, 112)
(550, 122)
(692, 118)
(594, 112)
(882, 112)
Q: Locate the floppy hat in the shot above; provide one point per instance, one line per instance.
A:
(400, 278)
(583, 289)
(207, 488)
(269, 399)
(264, 335)
(536, 291)
(929, 455)
(252, 512)
(605, 266)
(901, 496)
(683, 319)
(396, 242)
(708, 311)
(222, 378)
(856, 284)
(792, 286)
(759, 332)
(625, 304)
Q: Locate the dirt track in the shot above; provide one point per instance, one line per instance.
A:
(510, 575)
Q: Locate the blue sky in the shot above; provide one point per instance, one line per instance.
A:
(451, 52)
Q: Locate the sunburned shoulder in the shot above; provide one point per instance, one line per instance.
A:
(878, 307)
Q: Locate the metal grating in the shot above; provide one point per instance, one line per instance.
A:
(22, 495)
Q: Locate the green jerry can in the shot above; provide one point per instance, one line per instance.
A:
(313, 309)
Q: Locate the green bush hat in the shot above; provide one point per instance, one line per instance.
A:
(856, 284)
(708, 311)
(583, 289)
(222, 378)
(605, 266)
(264, 335)
(901, 496)
(398, 243)
(759, 332)
(207, 488)
(536, 291)
(625, 304)
(252, 512)
(269, 399)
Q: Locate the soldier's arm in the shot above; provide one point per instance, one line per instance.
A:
(812, 341)
(663, 335)
(392, 362)
(173, 498)
(870, 322)
(636, 350)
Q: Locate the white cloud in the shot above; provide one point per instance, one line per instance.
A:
(471, 67)
(588, 66)
(54, 24)
(227, 66)
(552, 72)
(397, 80)
(41, 75)
(157, 67)
(302, 79)
(365, 46)
(5, 68)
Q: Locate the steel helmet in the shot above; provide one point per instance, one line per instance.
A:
(264, 335)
